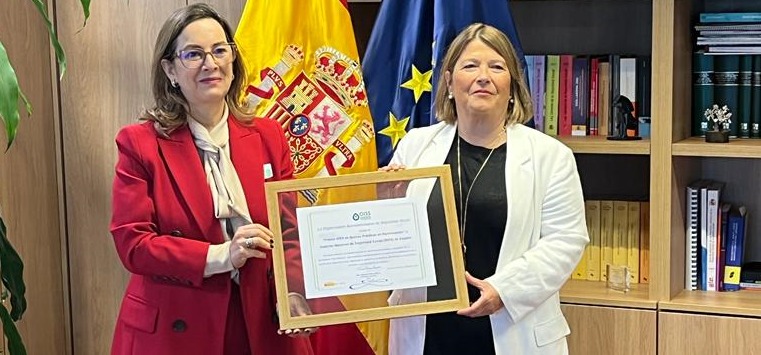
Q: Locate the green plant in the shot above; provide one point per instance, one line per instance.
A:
(11, 265)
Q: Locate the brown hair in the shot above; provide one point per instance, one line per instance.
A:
(518, 112)
(170, 106)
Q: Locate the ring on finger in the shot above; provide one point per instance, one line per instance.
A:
(249, 243)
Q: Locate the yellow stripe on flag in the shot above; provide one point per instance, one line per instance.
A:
(303, 71)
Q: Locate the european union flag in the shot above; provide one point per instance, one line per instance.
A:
(409, 39)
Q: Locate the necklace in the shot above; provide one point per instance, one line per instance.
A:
(464, 204)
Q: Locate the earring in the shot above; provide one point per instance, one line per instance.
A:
(174, 83)
(450, 96)
(512, 101)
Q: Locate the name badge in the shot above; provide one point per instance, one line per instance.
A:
(268, 171)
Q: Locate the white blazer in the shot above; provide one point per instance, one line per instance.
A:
(544, 239)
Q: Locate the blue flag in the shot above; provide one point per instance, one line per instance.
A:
(409, 36)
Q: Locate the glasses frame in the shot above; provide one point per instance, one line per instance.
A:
(233, 48)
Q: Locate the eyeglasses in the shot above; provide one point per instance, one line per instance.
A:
(193, 58)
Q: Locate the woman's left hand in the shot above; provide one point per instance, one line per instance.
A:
(299, 307)
(487, 304)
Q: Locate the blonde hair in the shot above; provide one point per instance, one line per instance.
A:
(520, 111)
(170, 106)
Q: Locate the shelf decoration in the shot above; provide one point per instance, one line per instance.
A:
(718, 124)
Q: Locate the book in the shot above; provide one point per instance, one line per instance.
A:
(755, 98)
(536, 81)
(620, 232)
(606, 237)
(723, 226)
(728, 27)
(632, 240)
(644, 243)
(710, 17)
(726, 80)
(594, 93)
(580, 272)
(580, 96)
(710, 197)
(551, 95)
(692, 235)
(603, 99)
(642, 97)
(735, 248)
(742, 115)
(592, 209)
(702, 91)
(615, 91)
(565, 95)
(628, 81)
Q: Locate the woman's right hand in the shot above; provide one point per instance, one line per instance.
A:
(249, 241)
(392, 189)
(393, 167)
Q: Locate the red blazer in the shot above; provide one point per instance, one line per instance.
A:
(163, 224)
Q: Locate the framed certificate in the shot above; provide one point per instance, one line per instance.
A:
(368, 246)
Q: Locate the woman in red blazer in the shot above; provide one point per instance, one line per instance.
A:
(189, 217)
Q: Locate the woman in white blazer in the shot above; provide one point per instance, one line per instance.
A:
(519, 204)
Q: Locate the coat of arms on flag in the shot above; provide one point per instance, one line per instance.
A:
(316, 112)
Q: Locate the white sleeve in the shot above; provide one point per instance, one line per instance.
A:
(218, 259)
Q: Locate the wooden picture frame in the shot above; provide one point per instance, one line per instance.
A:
(458, 287)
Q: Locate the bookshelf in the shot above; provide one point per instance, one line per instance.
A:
(668, 162)
(714, 322)
(589, 27)
(736, 148)
(600, 145)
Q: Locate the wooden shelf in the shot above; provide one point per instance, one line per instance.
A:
(595, 293)
(736, 148)
(740, 303)
(600, 145)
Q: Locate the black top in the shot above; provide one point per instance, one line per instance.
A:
(448, 333)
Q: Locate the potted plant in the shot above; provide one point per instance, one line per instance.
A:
(11, 264)
(718, 124)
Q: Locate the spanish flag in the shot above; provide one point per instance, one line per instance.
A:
(303, 71)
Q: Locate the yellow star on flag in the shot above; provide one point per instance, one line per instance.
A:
(419, 83)
(396, 129)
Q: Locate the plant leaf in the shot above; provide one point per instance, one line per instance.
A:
(85, 10)
(59, 54)
(12, 273)
(15, 345)
(9, 94)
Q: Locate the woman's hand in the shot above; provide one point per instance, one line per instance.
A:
(299, 307)
(487, 304)
(249, 241)
(392, 189)
(393, 167)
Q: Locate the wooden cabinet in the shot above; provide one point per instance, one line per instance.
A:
(684, 333)
(608, 330)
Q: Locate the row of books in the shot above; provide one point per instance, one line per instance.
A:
(575, 95)
(731, 80)
(619, 234)
(715, 238)
(729, 33)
